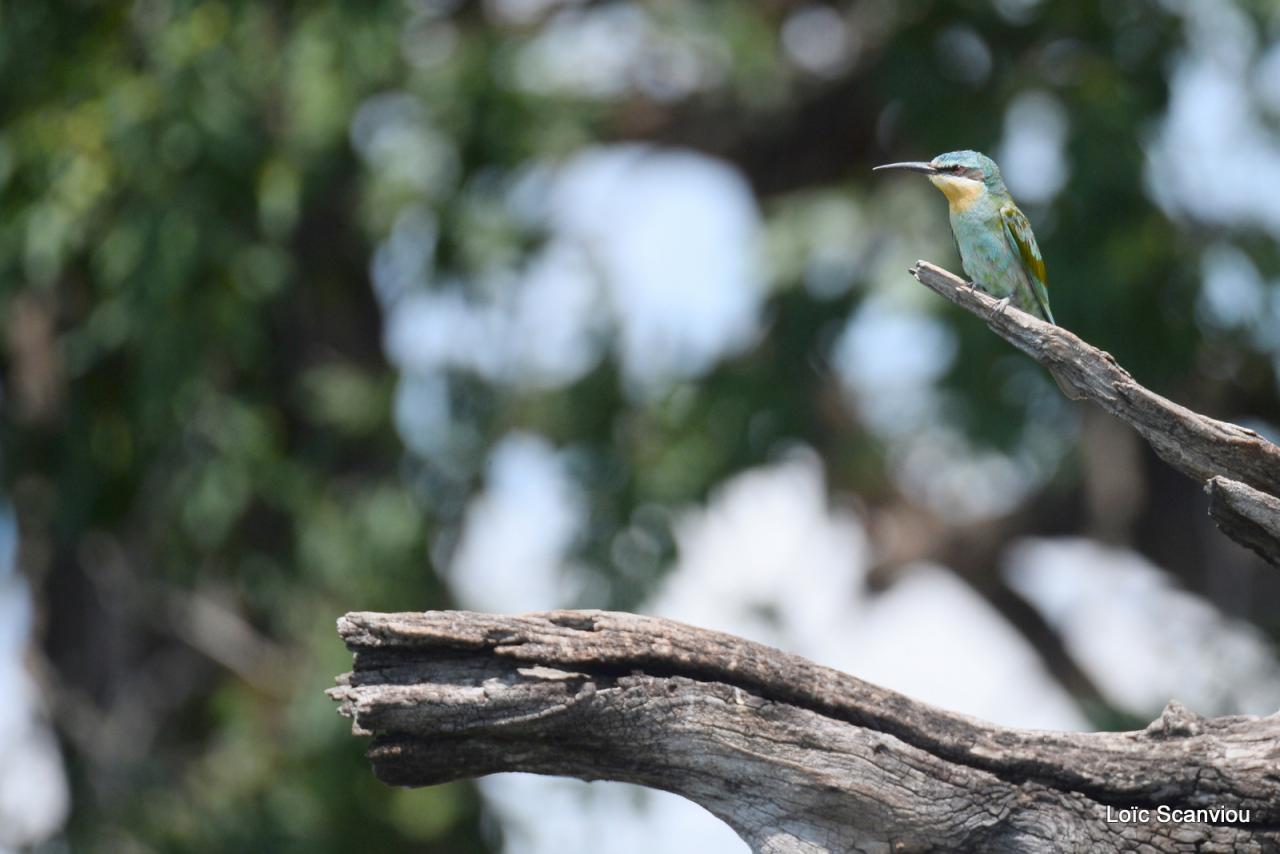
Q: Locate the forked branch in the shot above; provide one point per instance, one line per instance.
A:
(799, 758)
(1196, 445)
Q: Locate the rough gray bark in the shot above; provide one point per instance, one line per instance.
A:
(1246, 515)
(1196, 445)
(795, 757)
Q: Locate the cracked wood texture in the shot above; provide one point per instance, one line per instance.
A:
(1196, 445)
(793, 756)
(1246, 515)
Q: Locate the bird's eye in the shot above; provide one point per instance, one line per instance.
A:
(955, 169)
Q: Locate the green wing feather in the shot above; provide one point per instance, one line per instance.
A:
(1023, 241)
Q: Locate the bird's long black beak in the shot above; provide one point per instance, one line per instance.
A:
(910, 166)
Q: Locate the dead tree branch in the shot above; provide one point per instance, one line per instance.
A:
(1196, 445)
(1244, 514)
(795, 757)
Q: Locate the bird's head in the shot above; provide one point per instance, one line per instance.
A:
(963, 176)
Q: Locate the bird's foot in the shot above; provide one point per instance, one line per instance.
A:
(998, 308)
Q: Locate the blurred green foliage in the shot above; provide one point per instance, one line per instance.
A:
(209, 405)
(197, 410)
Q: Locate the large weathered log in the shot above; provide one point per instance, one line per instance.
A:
(795, 757)
(1194, 444)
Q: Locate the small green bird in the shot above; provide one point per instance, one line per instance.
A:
(997, 248)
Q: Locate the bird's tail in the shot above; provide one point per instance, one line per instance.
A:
(1068, 388)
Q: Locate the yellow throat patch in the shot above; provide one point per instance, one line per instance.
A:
(960, 192)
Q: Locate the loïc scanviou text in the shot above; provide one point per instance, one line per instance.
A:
(1175, 815)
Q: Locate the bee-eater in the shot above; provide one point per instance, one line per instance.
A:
(997, 248)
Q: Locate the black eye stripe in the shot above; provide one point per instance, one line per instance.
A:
(962, 171)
